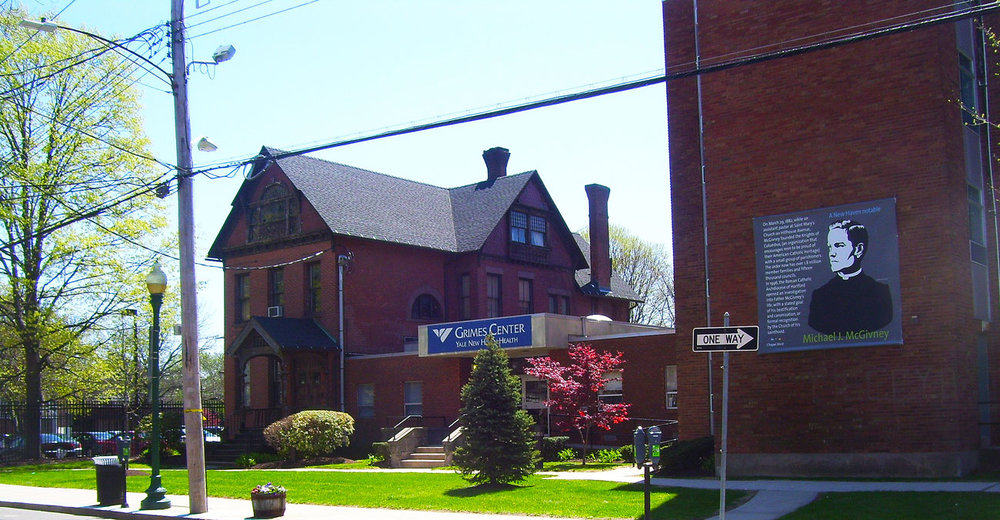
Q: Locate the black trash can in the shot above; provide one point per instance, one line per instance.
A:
(110, 479)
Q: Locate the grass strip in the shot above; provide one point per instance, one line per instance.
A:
(438, 491)
(900, 506)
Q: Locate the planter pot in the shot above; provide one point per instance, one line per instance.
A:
(268, 506)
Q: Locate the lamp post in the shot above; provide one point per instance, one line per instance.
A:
(195, 447)
(156, 282)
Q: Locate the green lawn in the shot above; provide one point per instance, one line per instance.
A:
(901, 506)
(425, 491)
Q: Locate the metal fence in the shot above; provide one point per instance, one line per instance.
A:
(71, 419)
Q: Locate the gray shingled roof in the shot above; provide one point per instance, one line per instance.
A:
(381, 207)
(619, 289)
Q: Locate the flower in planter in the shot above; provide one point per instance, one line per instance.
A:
(268, 489)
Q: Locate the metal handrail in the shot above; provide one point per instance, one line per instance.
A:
(407, 418)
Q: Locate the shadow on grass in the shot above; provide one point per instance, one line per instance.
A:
(482, 489)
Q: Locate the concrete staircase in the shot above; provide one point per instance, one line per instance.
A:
(425, 457)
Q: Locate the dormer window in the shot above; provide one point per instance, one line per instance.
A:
(518, 227)
(529, 241)
(275, 215)
(527, 229)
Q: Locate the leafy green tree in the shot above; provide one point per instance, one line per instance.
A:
(498, 436)
(645, 267)
(75, 196)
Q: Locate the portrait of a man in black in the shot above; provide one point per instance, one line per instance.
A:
(851, 301)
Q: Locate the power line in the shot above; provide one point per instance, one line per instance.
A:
(253, 19)
(645, 82)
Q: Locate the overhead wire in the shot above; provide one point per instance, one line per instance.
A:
(645, 82)
(303, 4)
(741, 60)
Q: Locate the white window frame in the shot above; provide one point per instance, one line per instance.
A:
(612, 390)
(409, 405)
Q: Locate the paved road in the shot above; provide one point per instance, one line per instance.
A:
(11, 513)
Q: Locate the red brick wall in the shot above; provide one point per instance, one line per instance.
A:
(870, 120)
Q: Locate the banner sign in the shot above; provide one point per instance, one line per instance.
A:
(828, 278)
(464, 336)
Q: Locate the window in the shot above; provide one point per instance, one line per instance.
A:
(276, 287)
(518, 227)
(526, 301)
(611, 393)
(366, 401)
(494, 300)
(527, 229)
(538, 229)
(243, 297)
(413, 398)
(535, 392)
(670, 383)
(465, 297)
(314, 286)
(977, 225)
(967, 85)
(425, 307)
(275, 215)
(558, 304)
(245, 398)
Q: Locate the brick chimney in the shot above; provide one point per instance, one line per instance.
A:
(496, 162)
(600, 246)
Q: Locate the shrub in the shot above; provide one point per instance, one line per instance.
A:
(380, 452)
(551, 446)
(628, 453)
(687, 455)
(249, 460)
(606, 456)
(246, 461)
(566, 454)
(310, 433)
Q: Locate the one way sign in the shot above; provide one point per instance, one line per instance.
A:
(722, 339)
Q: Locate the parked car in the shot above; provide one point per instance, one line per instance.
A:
(52, 445)
(96, 443)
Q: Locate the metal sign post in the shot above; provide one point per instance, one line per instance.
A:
(724, 339)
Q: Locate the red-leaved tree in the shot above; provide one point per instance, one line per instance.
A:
(574, 390)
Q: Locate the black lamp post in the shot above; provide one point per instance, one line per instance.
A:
(156, 282)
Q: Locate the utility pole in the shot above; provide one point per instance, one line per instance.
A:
(194, 436)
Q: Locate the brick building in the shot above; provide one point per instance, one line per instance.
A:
(334, 275)
(765, 154)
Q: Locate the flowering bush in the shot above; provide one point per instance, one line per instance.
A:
(268, 489)
(311, 433)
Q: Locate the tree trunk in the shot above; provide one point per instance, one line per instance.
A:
(32, 422)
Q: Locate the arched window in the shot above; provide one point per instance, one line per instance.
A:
(275, 215)
(425, 307)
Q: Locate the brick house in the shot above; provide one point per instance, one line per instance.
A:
(334, 272)
(841, 132)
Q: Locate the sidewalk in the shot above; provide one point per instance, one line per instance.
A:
(773, 499)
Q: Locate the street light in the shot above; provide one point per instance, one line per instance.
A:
(195, 447)
(156, 282)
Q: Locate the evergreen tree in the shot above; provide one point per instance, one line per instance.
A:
(499, 443)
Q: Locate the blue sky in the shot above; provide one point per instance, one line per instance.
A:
(311, 72)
